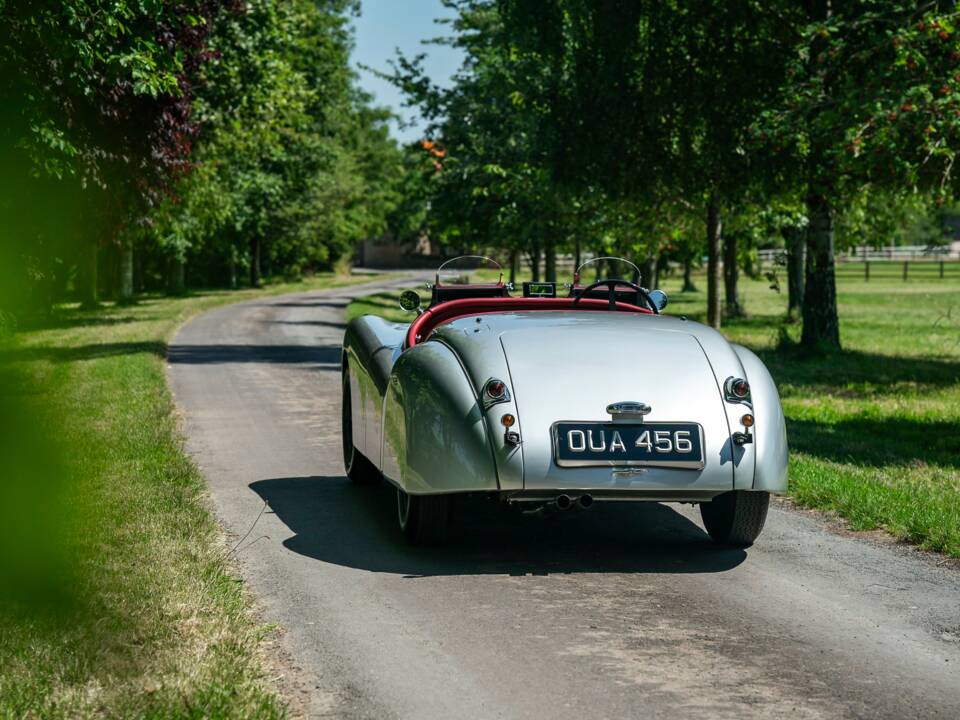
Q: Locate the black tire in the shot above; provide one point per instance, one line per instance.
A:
(423, 519)
(358, 468)
(735, 518)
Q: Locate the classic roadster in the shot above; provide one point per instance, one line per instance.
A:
(559, 398)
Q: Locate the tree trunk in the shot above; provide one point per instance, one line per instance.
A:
(647, 272)
(176, 283)
(87, 276)
(731, 276)
(576, 253)
(232, 267)
(688, 285)
(125, 292)
(513, 267)
(821, 326)
(658, 267)
(714, 235)
(550, 260)
(796, 252)
(255, 261)
(535, 263)
(599, 264)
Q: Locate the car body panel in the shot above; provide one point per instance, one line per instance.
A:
(770, 433)
(556, 380)
(426, 425)
(435, 438)
(371, 346)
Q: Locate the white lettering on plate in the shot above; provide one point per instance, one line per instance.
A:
(616, 444)
(581, 443)
(603, 441)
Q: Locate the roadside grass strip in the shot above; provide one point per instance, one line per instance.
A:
(117, 597)
(874, 430)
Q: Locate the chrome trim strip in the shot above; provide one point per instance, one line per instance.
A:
(628, 409)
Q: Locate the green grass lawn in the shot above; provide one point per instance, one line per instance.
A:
(874, 430)
(116, 593)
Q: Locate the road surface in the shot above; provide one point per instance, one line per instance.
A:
(615, 612)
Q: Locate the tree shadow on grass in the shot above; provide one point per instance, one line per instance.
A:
(854, 373)
(92, 351)
(878, 442)
(337, 522)
(79, 319)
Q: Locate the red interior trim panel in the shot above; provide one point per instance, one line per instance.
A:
(421, 328)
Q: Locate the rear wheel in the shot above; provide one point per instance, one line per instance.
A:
(358, 468)
(424, 519)
(735, 518)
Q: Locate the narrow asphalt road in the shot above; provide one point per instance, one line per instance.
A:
(622, 611)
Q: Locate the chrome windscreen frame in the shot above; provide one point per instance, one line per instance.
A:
(675, 464)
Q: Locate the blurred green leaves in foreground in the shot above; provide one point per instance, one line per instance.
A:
(36, 568)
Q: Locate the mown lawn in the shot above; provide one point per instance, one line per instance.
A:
(874, 430)
(116, 593)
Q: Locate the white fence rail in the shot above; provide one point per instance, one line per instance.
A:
(866, 254)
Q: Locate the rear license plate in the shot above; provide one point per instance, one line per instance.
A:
(656, 444)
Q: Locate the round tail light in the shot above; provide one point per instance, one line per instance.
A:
(738, 388)
(496, 389)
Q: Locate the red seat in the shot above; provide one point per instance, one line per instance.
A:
(421, 328)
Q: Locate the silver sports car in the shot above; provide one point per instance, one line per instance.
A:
(559, 397)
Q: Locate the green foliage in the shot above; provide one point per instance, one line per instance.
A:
(218, 134)
(293, 163)
(876, 218)
(872, 95)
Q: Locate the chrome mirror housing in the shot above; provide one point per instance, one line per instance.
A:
(659, 298)
(409, 301)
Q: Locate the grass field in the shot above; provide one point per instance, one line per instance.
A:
(874, 430)
(116, 594)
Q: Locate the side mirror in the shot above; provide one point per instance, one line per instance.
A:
(410, 301)
(659, 298)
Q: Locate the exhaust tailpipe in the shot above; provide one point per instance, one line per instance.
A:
(563, 502)
(584, 501)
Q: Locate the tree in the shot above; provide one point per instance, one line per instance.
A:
(96, 100)
(871, 99)
(674, 85)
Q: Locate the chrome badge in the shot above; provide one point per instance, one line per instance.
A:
(628, 409)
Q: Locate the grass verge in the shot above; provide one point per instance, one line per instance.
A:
(874, 430)
(116, 594)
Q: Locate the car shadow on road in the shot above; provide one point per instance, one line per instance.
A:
(338, 522)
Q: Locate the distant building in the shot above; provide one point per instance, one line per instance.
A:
(385, 252)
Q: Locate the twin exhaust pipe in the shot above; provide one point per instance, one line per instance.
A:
(562, 503)
(565, 502)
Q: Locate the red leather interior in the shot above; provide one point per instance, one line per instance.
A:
(421, 328)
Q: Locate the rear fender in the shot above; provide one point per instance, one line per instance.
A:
(370, 347)
(770, 429)
(435, 438)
